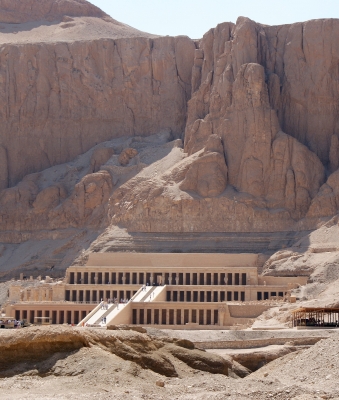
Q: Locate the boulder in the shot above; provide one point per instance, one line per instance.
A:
(126, 155)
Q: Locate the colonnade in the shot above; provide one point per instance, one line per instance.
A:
(160, 278)
(173, 316)
(53, 316)
(206, 295)
(95, 295)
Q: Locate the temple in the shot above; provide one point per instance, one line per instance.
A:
(175, 290)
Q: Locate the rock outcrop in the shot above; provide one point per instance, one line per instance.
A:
(302, 90)
(326, 203)
(207, 175)
(127, 155)
(34, 346)
(261, 159)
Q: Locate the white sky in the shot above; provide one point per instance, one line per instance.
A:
(195, 17)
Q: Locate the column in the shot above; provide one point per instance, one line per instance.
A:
(182, 317)
(205, 278)
(185, 296)
(167, 316)
(163, 279)
(123, 278)
(190, 315)
(58, 316)
(152, 316)
(96, 278)
(191, 278)
(205, 316)
(72, 317)
(138, 317)
(152, 279)
(82, 279)
(212, 317)
(170, 278)
(170, 295)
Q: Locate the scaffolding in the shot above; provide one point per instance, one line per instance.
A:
(316, 317)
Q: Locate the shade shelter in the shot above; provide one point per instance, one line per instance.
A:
(317, 317)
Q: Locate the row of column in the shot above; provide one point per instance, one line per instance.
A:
(55, 316)
(207, 296)
(163, 278)
(94, 296)
(175, 316)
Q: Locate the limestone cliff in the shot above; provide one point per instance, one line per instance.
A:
(60, 98)
(92, 130)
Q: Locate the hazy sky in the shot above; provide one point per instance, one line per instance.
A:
(195, 17)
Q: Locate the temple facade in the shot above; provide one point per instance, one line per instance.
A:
(193, 291)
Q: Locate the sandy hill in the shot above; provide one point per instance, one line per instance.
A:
(21, 11)
(36, 21)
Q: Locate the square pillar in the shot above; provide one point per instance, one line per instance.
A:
(152, 316)
(138, 317)
(167, 316)
(190, 315)
(205, 316)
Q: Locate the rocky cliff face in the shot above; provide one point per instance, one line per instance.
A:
(57, 100)
(300, 71)
(256, 107)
